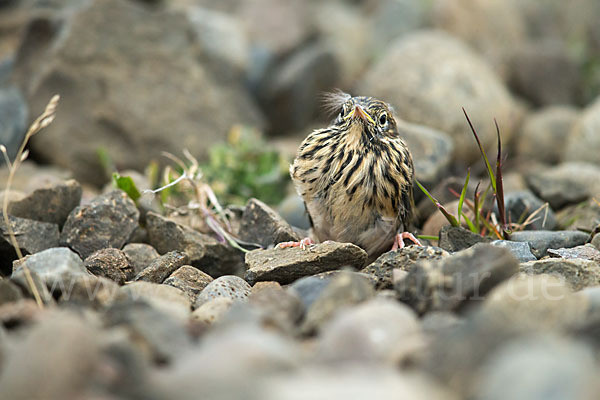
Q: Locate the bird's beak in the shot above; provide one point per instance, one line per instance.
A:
(359, 112)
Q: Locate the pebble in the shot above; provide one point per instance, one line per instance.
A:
(190, 280)
(110, 263)
(9, 292)
(455, 238)
(212, 310)
(577, 273)
(520, 250)
(228, 286)
(160, 268)
(165, 298)
(262, 225)
(140, 255)
(541, 241)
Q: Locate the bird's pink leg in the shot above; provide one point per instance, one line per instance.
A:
(399, 240)
(303, 243)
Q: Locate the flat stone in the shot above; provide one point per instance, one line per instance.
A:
(585, 252)
(204, 252)
(454, 238)
(451, 282)
(166, 298)
(140, 255)
(160, 268)
(110, 263)
(577, 273)
(541, 241)
(107, 221)
(52, 203)
(261, 224)
(32, 237)
(190, 280)
(229, 286)
(402, 259)
(287, 265)
(520, 250)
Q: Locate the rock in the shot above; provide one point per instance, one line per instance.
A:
(585, 252)
(577, 273)
(31, 176)
(107, 221)
(376, 331)
(13, 119)
(60, 338)
(228, 286)
(277, 308)
(544, 73)
(110, 263)
(452, 282)
(91, 291)
(287, 265)
(204, 252)
(140, 255)
(393, 19)
(212, 310)
(160, 268)
(9, 292)
(52, 203)
(165, 298)
(544, 134)
(431, 151)
(309, 288)
(462, 79)
(454, 238)
(565, 184)
(19, 314)
(520, 250)
(158, 334)
(439, 322)
(293, 211)
(56, 267)
(582, 144)
(554, 364)
(402, 259)
(345, 290)
(288, 92)
(190, 280)
(123, 113)
(41, 289)
(32, 237)
(260, 224)
(541, 241)
(584, 216)
(522, 204)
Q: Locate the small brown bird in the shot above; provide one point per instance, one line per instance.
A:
(356, 177)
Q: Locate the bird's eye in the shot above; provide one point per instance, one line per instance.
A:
(383, 119)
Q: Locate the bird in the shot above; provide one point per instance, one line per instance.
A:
(356, 177)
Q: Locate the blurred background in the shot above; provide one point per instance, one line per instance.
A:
(238, 82)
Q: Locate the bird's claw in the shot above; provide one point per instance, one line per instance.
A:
(399, 240)
(302, 244)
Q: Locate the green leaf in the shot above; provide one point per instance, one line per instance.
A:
(451, 219)
(428, 237)
(470, 224)
(126, 184)
(463, 193)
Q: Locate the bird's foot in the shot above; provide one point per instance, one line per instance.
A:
(303, 243)
(399, 240)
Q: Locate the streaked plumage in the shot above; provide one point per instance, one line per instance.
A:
(356, 175)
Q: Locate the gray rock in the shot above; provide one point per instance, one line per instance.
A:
(293, 210)
(439, 322)
(56, 267)
(59, 338)
(565, 184)
(190, 280)
(582, 144)
(165, 298)
(140, 255)
(110, 263)
(309, 288)
(544, 134)
(454, 238)
(41, 289)
(392, 19)
(32, 237)
(585, 252)
(260, 224)
(277, 308)
(204, 252)
(431, 151)
(520, 205)
(402, 259)
(520, 250)
(160, 335)
(122, 113)
(439, 75)
(13, 119)
(212, 311)
(289, 90)
(91, 291)
(577, 273)
(541, 241)
(584, 216)
(554, 364)
(9, 292)
(52, 203)
(376, 331)
(452, 282)
(160, 268)
(346, 289)
(287, 265)
(228, 286)
(107, 221)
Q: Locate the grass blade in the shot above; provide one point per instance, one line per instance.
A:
(451, 219)
(487, 163)
(499, 186)
(463, 193)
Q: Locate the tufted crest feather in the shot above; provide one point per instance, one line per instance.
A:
(333, 101)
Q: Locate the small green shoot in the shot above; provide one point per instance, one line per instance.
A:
(451, 218)
(126, 184)
(463, 194)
